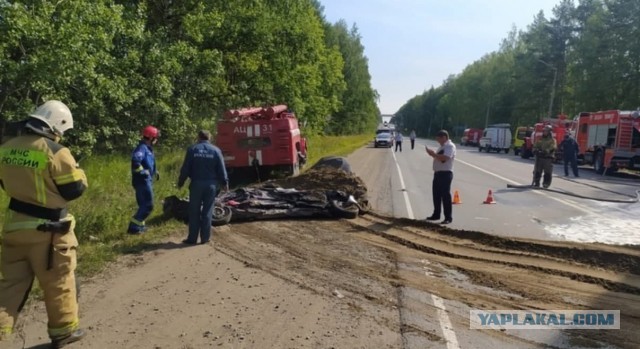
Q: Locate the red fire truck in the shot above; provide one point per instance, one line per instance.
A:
(261, 139)
(471, 136)
(560, 126)
(609, 139)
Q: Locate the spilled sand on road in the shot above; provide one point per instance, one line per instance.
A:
(357, 283)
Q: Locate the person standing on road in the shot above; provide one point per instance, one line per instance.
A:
(41, 176)
(412, 137)
(398, 139)
(143, 171)
(442, 177)
(544, 150)
(204, 165)
(569, 148)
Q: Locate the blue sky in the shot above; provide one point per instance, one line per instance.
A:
(415, 44)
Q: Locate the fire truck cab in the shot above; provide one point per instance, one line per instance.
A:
(609, 139)
(262, 139)
(471, 136)
(522, 132)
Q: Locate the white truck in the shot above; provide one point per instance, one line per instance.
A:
(496, 137)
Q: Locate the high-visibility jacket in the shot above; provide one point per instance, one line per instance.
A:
(545, 147)
(41, 177)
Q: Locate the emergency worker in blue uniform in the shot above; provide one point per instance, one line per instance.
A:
(570, 149)
(143, 171)
(204, 165)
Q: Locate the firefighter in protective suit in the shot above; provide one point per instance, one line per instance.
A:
(544, 150)
(143, 171)
(41, 177)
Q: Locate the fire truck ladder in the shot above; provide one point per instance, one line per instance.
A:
(625, 133)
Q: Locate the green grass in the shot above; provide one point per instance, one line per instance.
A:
(104, 211)
(321, 146)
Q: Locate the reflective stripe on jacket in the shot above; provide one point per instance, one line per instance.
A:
(546, 146)
(143, 164)
(40, 172)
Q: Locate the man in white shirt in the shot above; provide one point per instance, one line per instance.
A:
(398, 140)
(442, 177)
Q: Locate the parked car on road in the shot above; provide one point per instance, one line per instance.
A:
(383, 139)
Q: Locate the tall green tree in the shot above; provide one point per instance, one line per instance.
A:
(123, 64)
(583, 58)
(358, 111)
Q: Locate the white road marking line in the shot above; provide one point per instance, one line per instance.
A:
(404, 189)
(445, 323)
(568, 203)
(443, 318)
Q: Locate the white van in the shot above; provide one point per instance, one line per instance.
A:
(496, 137)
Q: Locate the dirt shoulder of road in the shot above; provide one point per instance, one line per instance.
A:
(371, 282)
(344, 284)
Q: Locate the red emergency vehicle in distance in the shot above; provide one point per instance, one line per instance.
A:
(609, 139)
(263, 139)
(560, 126)
(471, 136)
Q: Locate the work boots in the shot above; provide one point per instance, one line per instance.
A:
(60, 342)
(546, 182)
(536, 179)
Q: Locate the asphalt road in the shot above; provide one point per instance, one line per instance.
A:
(400, 184)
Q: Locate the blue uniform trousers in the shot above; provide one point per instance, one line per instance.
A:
(144, 198)
(571, 159)
(202, 195)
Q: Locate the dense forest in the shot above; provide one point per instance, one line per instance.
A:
(122, 64)
(585, 58)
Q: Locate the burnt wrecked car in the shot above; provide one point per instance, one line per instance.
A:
(249, 204)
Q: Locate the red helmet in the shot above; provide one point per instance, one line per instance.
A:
(150, 132)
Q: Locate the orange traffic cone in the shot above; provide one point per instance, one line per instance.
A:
(489, 199)
(456, 198)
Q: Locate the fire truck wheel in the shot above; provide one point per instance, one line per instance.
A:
(342, 209)
(221, 215)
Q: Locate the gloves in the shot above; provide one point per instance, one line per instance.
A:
(157, 176)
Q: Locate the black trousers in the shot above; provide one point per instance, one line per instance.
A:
(398, 144)
(441, 189)
(413, 143)
(570, 159)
